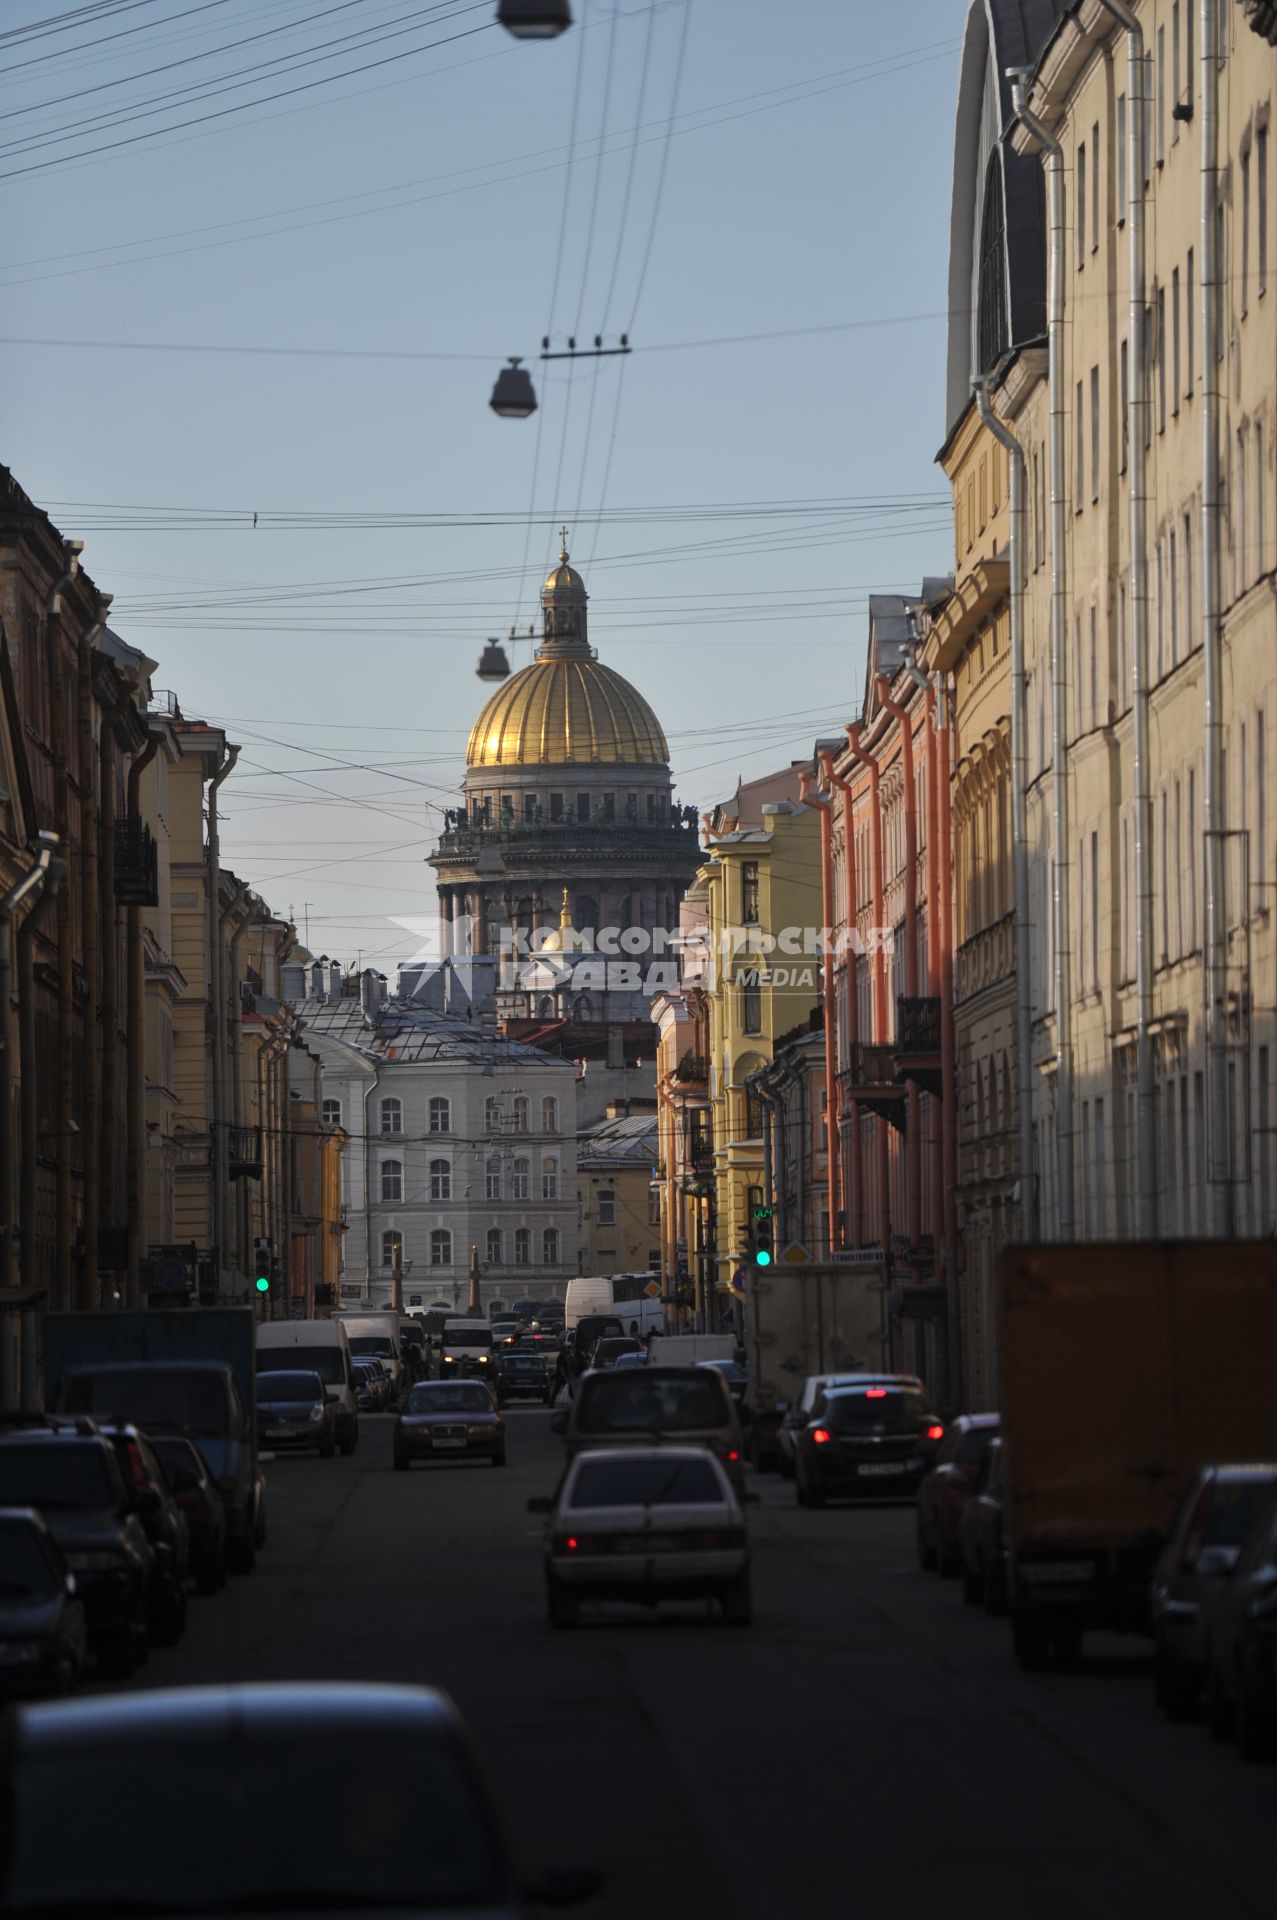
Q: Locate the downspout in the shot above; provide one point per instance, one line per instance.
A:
(867, 759)
(61, 1290)
(220, 1142)
(112, 922)
(92, 923)
(227, 1235)
(1019, 816)
(824, 806)
(854, 1199)
(920, 679)
(135, 1097)
(31, 884)
(33, 1282)
(948, 1042)
(1060, 910)
(368, 1172)
(913, 1143)
(1215, 800)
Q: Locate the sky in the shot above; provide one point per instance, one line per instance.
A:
(264, 258)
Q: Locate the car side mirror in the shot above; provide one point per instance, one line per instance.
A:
(558, 1423)
(562, 1887)
(541, 1503)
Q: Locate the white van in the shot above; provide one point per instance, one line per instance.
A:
(690, 1349)
(376, 1332)
(587, 1296)
(315, 1346)
(465, 1347)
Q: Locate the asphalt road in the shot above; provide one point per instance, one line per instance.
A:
(867, 1746)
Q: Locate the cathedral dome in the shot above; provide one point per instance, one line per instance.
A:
(567, 711)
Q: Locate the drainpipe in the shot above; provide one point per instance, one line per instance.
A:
(853, 1186)
(920, 679)
(229, 1237)
(61, 1292)
(1215, 799)
(91, 921)
(1146, 1145)
(1019, 817)
(33, 882)
(913, 1143)
(948, 1042)
(135, 1093)
(29, 1075)
(868, 760)
(1060, 911)
(112, 921)
(810, 798)
(220, 1142)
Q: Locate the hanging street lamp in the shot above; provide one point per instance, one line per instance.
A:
(534, 19)
(514, 396)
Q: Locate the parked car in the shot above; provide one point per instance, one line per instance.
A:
(368, 1388)
(522, 1376)
(147, 1486)
(1216, 1517)
(624, 1360)
(44, 1635)
(866, 1441)
(947, 1488)
(681, 1406)
(293, 1410)
(67, 1472)
(234, 1779)
(795, 1417)
(192, 1488)
(449, 1420)
(984, 1554)
(645, 1524)
(1241, 1686)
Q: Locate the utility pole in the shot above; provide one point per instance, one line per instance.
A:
(396, 1274)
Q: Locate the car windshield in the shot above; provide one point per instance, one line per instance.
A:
(639, 1403)
(884, 1407)
(188, 1399)
(1234, 1511)
(26, 1568)
(327, 1362)
(413, 1833)
(641, 1483)
(61, 1474)
(288, 1386)
(974, 1444)
(467, 1337)
(442, 1397)
(373, 1343)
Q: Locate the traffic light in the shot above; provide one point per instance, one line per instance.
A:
(263, 1266)
(760, 1234)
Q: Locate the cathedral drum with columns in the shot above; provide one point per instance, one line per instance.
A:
(568, 853)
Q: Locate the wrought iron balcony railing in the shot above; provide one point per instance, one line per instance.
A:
(137, 874)
(244, 1153)
(917, 1024)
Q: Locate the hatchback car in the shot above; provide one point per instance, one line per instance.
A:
(1242, 1674)
(645, 1524)
(984, 1554)
(947, 1488)
(679, 1406)
(449, 1420)
(293, 1410)
(866, 1442)
(193, 1489)
(147, 1485)
(795, 1418)
(1215, 1519)
(235, 1781)
(43, 1630)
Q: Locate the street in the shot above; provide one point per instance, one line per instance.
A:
(869, 1738)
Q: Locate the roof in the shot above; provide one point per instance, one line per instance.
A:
(405, 1032)
(617, 1143)
(567, 711)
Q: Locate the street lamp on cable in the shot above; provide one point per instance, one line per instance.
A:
(514, 396)
(534, 19)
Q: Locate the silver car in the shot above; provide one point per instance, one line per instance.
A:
(1216, 1516)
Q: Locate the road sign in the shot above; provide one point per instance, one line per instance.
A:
(653, 1289)
(172, 1275)
(795, 1255)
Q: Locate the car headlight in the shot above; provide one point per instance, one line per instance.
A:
(317, 1413)
(98, 1560)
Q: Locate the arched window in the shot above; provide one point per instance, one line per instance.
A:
(392, 1179)
(520, 1112)
(392, 1116)
(440, 1180)
(492, 1178)
(992, 329)
(494, 1246)
(545, 1007)
(389, 1243)
(523, 1179)
(549, 1114)
(441, 1248)
(549, 1179)
(440, 1115)
(584, 1007)
(550, 1247)
(993, 1100)
(606, 1211)
(331, 1111)
(492, 1114)
(522, 1247)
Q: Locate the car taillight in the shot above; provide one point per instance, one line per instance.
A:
(137, 1466)
(822, 1436)
(569, 1543)
(875, 1393)
(729, 1455)
(935, 1432)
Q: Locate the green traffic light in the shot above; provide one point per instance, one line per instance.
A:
(263, 1284)
(762, 1258)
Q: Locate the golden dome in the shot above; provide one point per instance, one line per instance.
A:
(567, 711)
(564, 579)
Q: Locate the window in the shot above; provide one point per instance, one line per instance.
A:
(609, 806)
(556, 806)
(1245, 273)
(492, 1178)
(749, 893)
(1174, 595)
(1081, 204)
(1161, 359)
(1079, 468)
(605, 1212)
(1261, 208)
(440, 1247)
(549, 1179)
(1190, 611)
(1175, 338)
(1124, 394)
(1190, 325)
(522, 1247)
(1095, 667)
(493, 1247)
(331, 1111)
(992, 331)
(1095, 186)
(391, 1244)
(1095, 433)
(549, 1114)
(522, 1180)
(1261, 804)
(492, 1114)
(583, 807)
(1124, 685)
(751, 997)
(529, 807)
(651, 809)
(1176, 74)
(1121, 160)
(521, 1111)
(392, 1116)
(550, 1247)
(392, 1179)
(1261, 531)
(1161, 95)
(1095, 912)
(440, 1116)
(1192, 858)
(440, 1180)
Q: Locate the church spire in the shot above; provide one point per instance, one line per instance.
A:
(563, 604)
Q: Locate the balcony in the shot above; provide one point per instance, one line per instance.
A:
(466, 836)
(917, 1049)
(692, 1070)
(244, 1153)
(137, 882)
(871, 1081)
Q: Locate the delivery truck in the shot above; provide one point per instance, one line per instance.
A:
(1124, 1367)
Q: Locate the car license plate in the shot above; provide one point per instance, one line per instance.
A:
(277, 1433)
(447, 1443)
(886, 1469)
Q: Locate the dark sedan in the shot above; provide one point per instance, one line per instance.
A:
(165, 1525)
(293, 1410)
(43, 1632)
(867, 1442)
(197, 1496)
(523, 1376)
(947, 1488)
(449, 1420)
